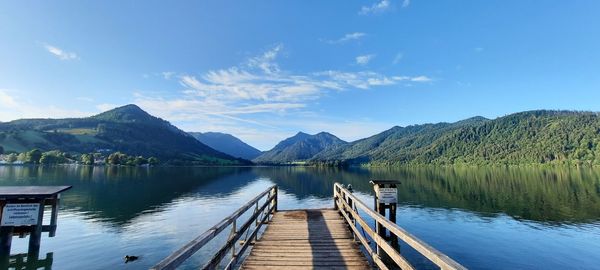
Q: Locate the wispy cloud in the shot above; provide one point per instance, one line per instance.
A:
(247, 99)
(420, 79)
(346, 38)
(378, 7)
(397, 58)
(167, 74)
(7, 101)
(364, 59)
(405, 3)
(13, 107)
(60, 53)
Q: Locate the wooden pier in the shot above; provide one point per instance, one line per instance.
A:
(337, 238)
(306, 238)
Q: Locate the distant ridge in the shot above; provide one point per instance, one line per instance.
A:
(227, 144)
(532, 137)
(127, 129)
(300, 147)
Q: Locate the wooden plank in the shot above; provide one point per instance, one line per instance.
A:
(291, 267)
(23, 191)
(347, 254)
(249, 261)
(306, 239)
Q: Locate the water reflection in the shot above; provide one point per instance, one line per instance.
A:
(28, 261)
(119, 194)
(544, 194)
(153, 211)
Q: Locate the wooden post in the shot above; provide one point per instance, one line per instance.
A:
(386, 197)
(22, 199)
(35, 237)
(6, 234)
(54, 215)
(275, 199)
(335, 197)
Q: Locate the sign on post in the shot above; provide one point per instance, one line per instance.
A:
(20, 214)
(387, 195)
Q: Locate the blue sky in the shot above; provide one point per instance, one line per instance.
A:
(264, 70)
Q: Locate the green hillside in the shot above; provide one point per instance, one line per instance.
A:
(127, 129)
(534, 137)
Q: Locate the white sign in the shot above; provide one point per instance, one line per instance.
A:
(388, 195)
(20, 214)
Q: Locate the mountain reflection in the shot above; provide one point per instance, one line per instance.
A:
(119, 194)
(538, 194)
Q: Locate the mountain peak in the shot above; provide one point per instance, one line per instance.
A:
(127, 113)
(299, 147)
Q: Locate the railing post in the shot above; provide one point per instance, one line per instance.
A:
(233, 232)
(275, 202)
(335, 196)
(256, 222)
(351, 204)
(386, 197)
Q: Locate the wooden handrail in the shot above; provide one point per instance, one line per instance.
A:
(267, 208)
(341, 194)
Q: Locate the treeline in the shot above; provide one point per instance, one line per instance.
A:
(119, 158)
(55, 157)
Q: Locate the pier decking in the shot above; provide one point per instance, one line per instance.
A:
(338, 238)
(301, 239)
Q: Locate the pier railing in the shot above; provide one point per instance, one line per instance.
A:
(348, 205)
(259, 217)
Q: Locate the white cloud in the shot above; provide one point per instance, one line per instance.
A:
(12, 107)
(61, 54)
(347, 37)
(378, 7)
(421, 79)
(258, 100)
(405, 3)
(364, 59)
(7, 101)
(167, 74)
(397, 58)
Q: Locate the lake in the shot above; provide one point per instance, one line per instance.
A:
(484, 218)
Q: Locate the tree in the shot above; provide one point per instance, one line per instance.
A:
(47, 159)
(53, 157)
(12, 157)
(1, 150)
(117, 158)
(87, 159)
(153, 161)
(22, 157)
(33, 156)
(139, 160)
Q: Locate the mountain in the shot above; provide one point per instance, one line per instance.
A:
(299, 147)
(227, 144)
(127, 129)
(533, 137)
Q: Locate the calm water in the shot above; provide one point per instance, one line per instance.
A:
(483, 218)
